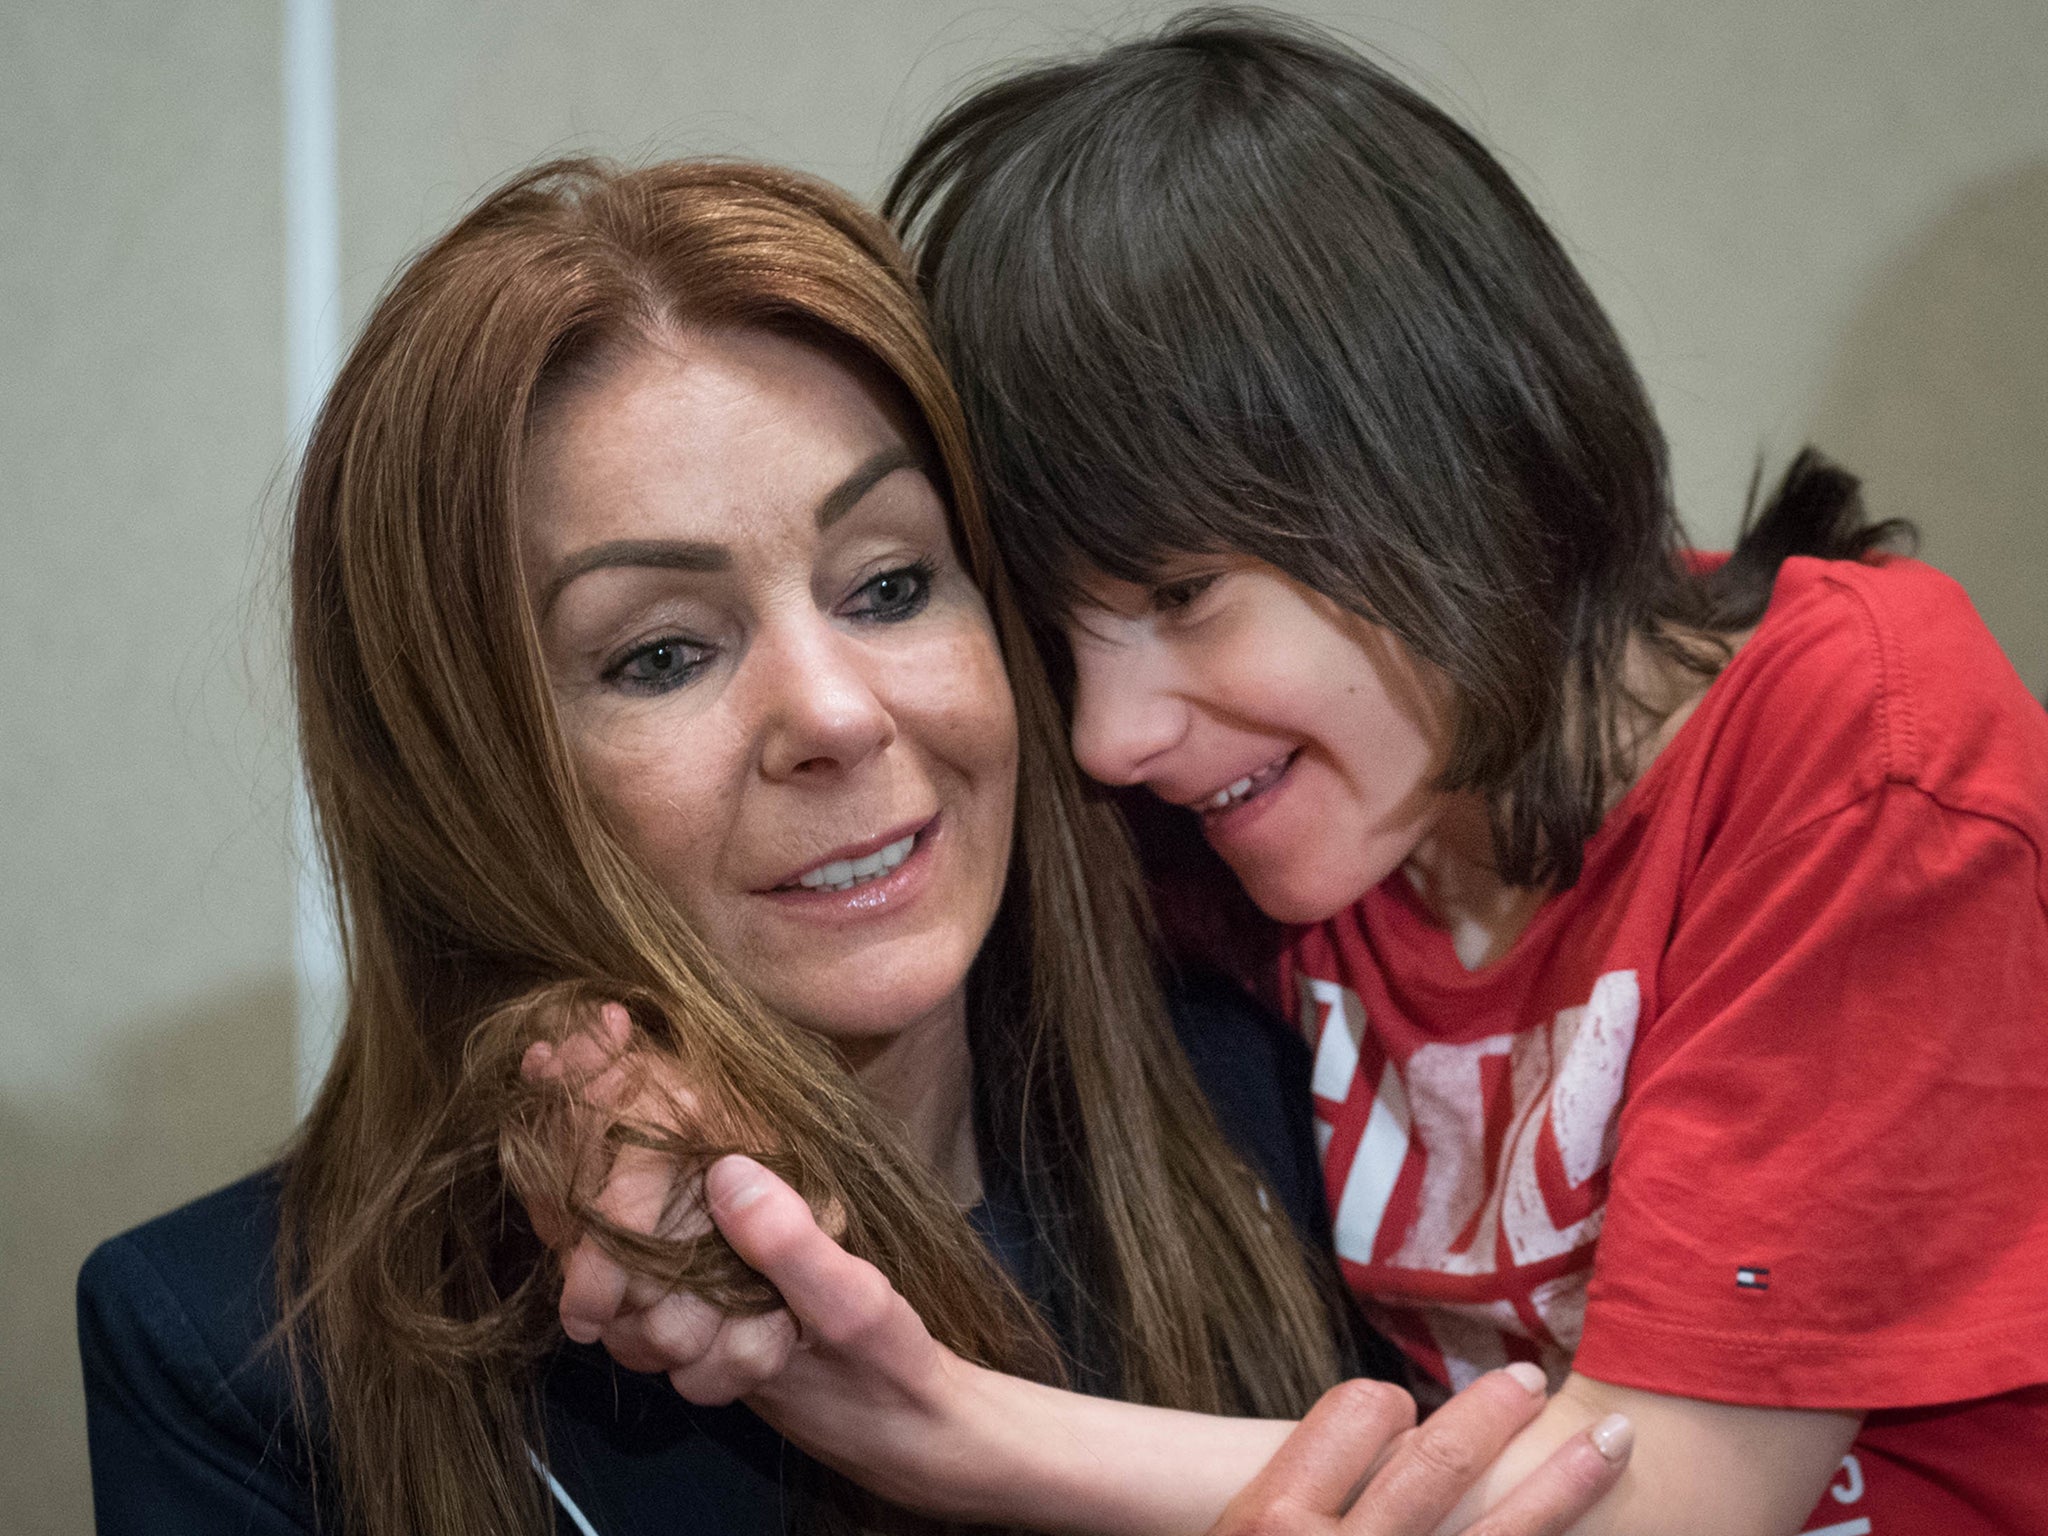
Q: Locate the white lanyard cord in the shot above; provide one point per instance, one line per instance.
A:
(561, 1494)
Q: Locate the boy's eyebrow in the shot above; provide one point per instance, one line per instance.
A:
(693, 555)
(1123, 597)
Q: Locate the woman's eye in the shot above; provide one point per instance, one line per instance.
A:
(659, 666)
(896, 594)
(1172, 596)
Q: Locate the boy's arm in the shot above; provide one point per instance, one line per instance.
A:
(1699, 1468)
(848, 1372)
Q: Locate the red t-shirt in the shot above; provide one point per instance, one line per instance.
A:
(1758, 1110)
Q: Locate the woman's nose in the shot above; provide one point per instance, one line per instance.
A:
(1125, 716)
(824, 709)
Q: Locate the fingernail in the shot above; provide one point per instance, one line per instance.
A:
(1530, 1376)
(735, 1182)
(1614, 1437)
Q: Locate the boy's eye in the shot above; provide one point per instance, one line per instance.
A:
(1172, 596)
(894, 595)
(659, 666)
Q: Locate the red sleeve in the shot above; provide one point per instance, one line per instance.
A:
(1832, 1161)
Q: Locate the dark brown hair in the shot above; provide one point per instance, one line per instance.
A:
(1235, 287)
(482, 891)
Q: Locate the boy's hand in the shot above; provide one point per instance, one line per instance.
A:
(711, 1356)
(1311, 1487)
(846, 1370)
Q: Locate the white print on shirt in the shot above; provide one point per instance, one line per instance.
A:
(1849, 1490)
(1474, 1215)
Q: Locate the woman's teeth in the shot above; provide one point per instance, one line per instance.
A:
(1246, 787)
(845, 874)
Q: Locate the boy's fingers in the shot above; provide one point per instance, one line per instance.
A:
(599, 1079)
(637, 1195)
(593, 1290)
(1422, 1481)
(538, 1065)
(590, 1057)
(1321, 1464)
(640, 1193)
(831, 1293)
(671, 1335)
(747, 1352)
(1577, 1476)
(549, 1221)
(682, 1327)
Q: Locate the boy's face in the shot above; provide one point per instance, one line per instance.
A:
(1308, 740)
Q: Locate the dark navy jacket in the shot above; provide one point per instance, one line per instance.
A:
(193, 1429)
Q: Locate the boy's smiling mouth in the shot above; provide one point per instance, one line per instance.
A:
(1249, 787)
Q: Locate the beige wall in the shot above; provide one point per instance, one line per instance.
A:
(1828, 219)
(145, 986)
(1820, 221)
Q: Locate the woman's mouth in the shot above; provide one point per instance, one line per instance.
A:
(846, 874)
(864, 878)
(1248, 788)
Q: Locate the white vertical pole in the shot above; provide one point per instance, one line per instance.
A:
(312, 265)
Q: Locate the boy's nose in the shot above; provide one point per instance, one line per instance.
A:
(1125, 720)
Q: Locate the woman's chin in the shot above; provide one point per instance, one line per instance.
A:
(861, 1016)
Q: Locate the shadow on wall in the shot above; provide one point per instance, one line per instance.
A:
(187, 1105)
(1938, 398)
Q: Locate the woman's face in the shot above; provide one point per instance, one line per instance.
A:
(773, 671)
(1305, 738)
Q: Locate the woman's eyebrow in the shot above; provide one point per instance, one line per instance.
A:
(844, 496)
(693, 555)
(661, 554)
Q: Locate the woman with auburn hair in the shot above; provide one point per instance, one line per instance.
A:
(649, 648)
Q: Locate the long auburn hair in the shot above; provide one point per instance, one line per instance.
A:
(1234, 286)
(481, 890)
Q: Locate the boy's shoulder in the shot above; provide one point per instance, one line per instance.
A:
(1863, 674)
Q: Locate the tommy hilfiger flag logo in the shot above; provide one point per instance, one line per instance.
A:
(1752, 1277)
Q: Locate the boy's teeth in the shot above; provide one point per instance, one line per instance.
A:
(1230, 794)
(845, 874)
